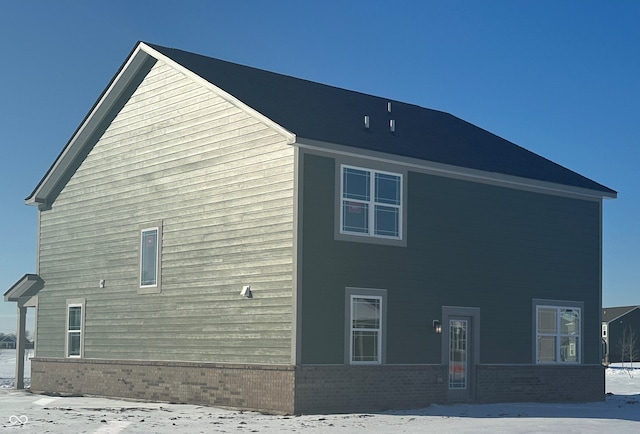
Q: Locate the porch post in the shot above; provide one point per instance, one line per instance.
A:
(20, 345)
(25, 293)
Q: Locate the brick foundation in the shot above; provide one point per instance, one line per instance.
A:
(264, 388)
(310, 389)
(539, 383)
(348, 389)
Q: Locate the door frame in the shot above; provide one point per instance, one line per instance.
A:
(472, 314)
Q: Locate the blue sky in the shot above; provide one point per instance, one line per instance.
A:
(560, 78)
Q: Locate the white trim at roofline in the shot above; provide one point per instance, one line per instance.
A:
(140, 57)
(457, 172)
(133, 64)
(143, 54)
(26, 287)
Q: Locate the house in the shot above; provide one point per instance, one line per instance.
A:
(218, 234)
(7, 342)
(620, 332)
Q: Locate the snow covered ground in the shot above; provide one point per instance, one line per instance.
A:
(21, 411)
(8, 368)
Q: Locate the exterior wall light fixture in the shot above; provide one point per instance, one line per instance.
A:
(246, 292)
(437, 326)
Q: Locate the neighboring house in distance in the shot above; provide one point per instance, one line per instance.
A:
(218, 234)
(8, 342)
(619, 326)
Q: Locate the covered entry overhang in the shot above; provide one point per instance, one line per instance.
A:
(25, 293)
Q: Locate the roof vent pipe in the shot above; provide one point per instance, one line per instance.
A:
(392, 125)
(366, 122)
(389, 107)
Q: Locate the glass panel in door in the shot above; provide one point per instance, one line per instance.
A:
(458, 356)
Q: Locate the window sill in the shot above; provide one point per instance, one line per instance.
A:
(149, 290)
(339, 236)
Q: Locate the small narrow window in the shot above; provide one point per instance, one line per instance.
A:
(149, 257)
(74, 329)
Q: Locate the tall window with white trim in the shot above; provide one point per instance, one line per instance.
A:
(558, 334)
(371, 203)
(75, 329)
(149, 255)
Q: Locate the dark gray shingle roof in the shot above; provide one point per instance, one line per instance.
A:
(330, 114)
(611, 313)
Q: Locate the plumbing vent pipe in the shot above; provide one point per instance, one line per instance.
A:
(392, 125)
(366, 122)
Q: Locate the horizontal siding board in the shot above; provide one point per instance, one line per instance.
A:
(198, 130)
(141, 184)
(213, 242)
(221, 182)
(168, 133)
(177, 354)
(189, 341)
(122, 278)
(166, 316)
(257, 161)
(243, 208)
(208, 323)
(121, 212)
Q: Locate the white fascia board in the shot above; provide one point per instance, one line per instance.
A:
(290, 137)
(75, 145)
(447, 170)
(27, 286)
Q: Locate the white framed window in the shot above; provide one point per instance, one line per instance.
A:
(150, 258)
(74, 330)
(370, 202)
(365, 324)
(558, 334)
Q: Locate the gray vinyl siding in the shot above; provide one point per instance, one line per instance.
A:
(221, 183)
(468, 244)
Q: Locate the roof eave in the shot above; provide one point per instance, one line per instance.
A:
(128, 72)
(460, 172)
(27, 286)
(139, 61)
